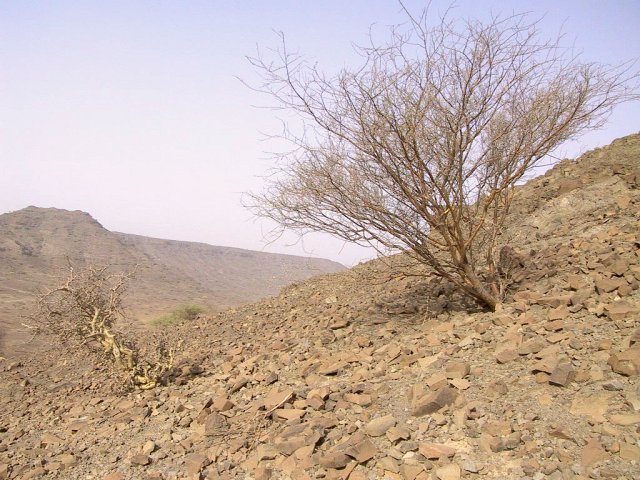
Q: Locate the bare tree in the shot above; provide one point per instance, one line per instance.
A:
(85, 308)
(420, 148)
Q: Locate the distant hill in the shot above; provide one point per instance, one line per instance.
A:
(36, 242)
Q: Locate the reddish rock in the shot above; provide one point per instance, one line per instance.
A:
(592, 453)
(626, 363)
(195, 462)
(607, 285)
(629, 452)
(222, 404)
(559, 313)
(434, 451)
(110, 476)
(620, 310)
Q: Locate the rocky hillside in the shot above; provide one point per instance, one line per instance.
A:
(36, 242)
(372, 374)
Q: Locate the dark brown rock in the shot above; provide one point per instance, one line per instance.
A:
(562, 375)
(140, 459)
(434, 401)
(215, 424)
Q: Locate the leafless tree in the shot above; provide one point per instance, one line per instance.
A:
(420, 148)
(85, 308)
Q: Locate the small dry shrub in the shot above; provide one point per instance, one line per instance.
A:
(83, 310)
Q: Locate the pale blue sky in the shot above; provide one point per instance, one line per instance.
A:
(130, 110)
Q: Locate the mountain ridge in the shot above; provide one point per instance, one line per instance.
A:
(37, 243)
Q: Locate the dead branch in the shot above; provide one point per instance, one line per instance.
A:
(85, 308)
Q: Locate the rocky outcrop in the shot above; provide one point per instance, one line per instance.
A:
(368, 374)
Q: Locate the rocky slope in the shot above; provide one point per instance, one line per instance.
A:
(36, 242)
(370, 374)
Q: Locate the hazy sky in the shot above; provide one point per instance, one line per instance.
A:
(131, 110)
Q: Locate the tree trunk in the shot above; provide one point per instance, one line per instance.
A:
(476, 287)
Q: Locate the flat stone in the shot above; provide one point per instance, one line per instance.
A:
(577, 282)
(239, 384)
(546, 365)
(460, 383)
(559, 313)
(497, 428)
(448, 472)
(619, 310)
(35, 472)
(67, 460)
(593, 406)
(334, 460)
(289, 413)
(195, 462)
(50, 439)
(625, 419)
(362, 451)
(554, 300)
(295, 438)
(379, 426)
(613, 386)
(263, 473)
(470, 466)
(437, 381)
(607, 285)
(339, 324)
(362, 399)
(140, 459)
(434, 451)
(110, 476)
(277, 398)
(222, 404)
(398, 433)
(266, 452)
(592, 453)
(332, 368)
(555, 326)
(629, 452)
(532, 346)
(457, 369)
(410, 472)
(562, 433)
